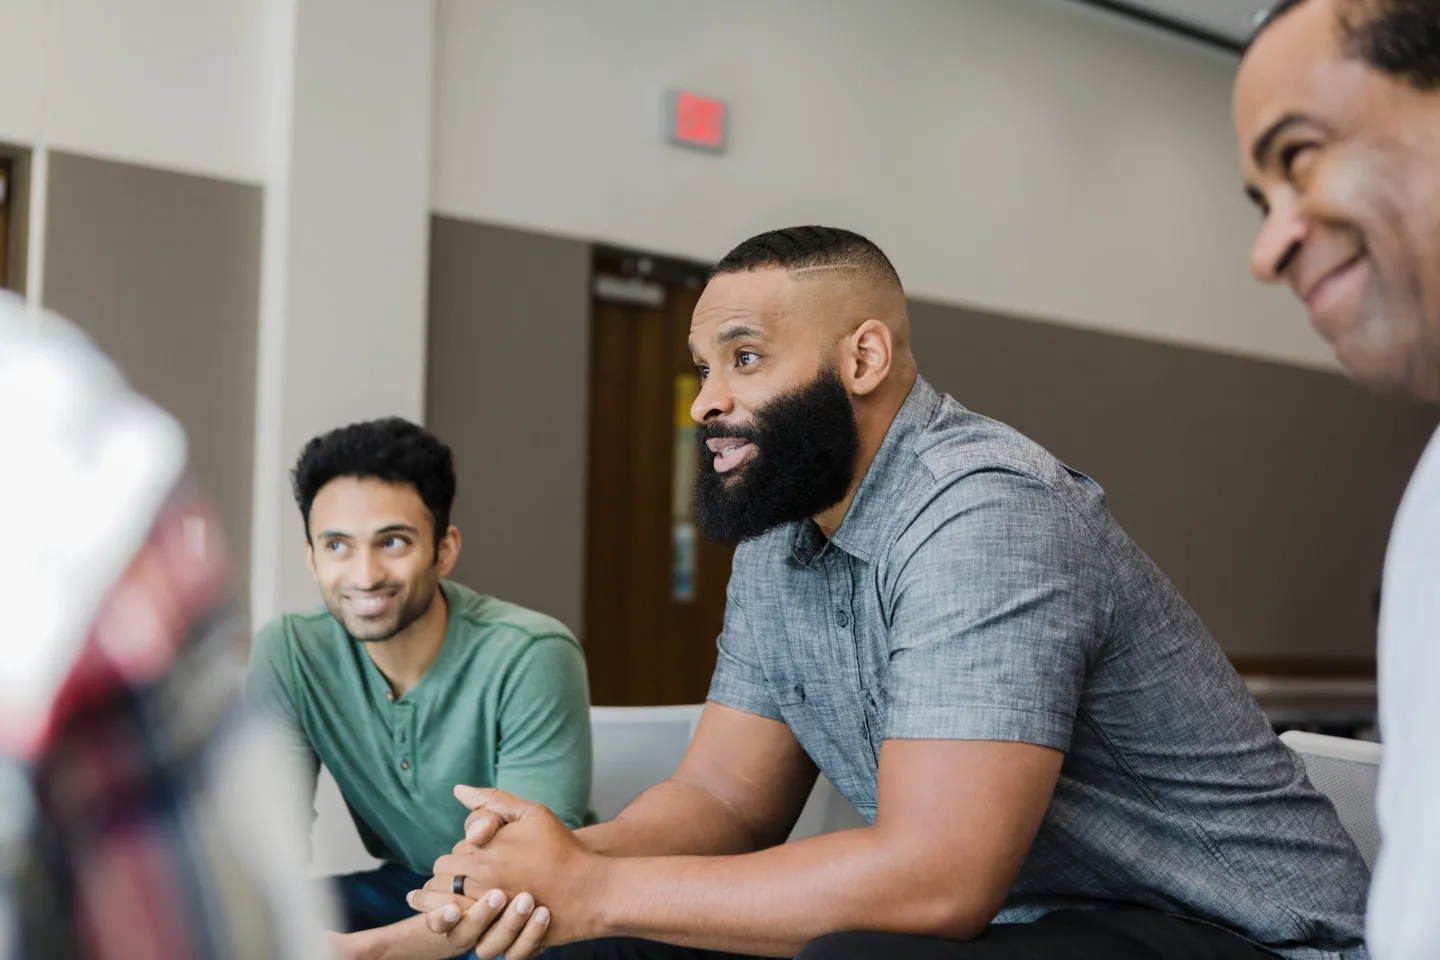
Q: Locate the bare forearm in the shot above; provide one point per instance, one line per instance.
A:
(407, 940)
(673, 818)
(775, 901)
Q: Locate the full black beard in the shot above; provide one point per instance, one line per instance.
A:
(806, 442)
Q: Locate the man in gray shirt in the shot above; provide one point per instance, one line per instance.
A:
(1055, 758)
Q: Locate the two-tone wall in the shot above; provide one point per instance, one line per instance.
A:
(236, 199)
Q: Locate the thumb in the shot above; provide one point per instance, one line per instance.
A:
(498, 802)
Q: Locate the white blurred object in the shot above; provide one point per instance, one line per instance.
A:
(90, 464)
(638, 747)
(145, 764)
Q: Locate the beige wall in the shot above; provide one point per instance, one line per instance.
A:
(1028, 157)
(507, 388)
(162, 270)
(1266, 491)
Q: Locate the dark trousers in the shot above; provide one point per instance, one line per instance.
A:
(1062, 935)
(375, 898)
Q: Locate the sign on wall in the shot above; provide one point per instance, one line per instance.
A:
(695, 121)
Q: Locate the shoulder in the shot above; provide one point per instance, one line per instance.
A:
(509, 624)
(982, 481)
(280, 638)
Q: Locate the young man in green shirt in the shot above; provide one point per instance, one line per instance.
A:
(404, 684)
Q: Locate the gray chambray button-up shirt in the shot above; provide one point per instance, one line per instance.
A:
(978, 589)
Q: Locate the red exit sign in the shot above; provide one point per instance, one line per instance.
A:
(695, 121)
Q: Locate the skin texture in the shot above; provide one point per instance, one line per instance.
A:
(699, 860)
(1344, 163)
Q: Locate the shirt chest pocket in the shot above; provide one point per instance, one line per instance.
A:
(837, 726)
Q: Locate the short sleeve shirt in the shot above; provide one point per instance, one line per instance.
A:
(978, 589)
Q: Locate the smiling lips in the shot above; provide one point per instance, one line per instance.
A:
(1323, 296)
(730, 452)
(370, 605)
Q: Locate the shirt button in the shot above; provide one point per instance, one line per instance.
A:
(842, 618)
(404, 764)
(390, 695)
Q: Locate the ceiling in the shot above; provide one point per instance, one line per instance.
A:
(1228, 19)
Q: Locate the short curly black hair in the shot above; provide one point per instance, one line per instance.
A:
(796, 248)
(392, 449)
(1397, 37)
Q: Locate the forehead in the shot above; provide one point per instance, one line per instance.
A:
(761, 300)
(1296, 65)
(355, 505)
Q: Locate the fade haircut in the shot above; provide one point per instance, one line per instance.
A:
(801, 248)
(393, 450)
(1400, 38)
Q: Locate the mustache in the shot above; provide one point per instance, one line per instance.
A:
(717, 430)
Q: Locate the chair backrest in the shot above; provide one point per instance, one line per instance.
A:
(638, 747)
(1346, 771)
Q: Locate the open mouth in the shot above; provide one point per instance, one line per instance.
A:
(370, 605)
(730, 452)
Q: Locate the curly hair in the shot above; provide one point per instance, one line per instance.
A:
(393, 450)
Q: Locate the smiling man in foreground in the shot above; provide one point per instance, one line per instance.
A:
(1055, 758)
(1337, 112)
(404, 683)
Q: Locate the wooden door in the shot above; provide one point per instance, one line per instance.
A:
(655, 589)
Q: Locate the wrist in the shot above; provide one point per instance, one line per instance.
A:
(350, 946)
(602, 886)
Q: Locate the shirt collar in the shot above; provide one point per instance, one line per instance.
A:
(870, 509)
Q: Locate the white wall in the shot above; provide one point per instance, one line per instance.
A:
(22, 38)
(343, 291)
(1019, 155)
(175, 84)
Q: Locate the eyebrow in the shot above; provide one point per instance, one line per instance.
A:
(392, 528)
(1264, 143)
(730, 335)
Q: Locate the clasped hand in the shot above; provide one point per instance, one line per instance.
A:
(514, 856)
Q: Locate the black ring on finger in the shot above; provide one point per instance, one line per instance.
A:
(457, 885)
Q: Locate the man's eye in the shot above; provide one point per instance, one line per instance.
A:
(394, 543)
(702, 371)
(335, 546)
(1291, 154)
(745, 358)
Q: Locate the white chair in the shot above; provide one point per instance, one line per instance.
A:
(1346, 771)
(638, 747)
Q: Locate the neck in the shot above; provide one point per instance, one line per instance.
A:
(404, 658)
(874, 417)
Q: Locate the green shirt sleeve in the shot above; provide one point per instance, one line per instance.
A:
(545, 752)
(267, 690)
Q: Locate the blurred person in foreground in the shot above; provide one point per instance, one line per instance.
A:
(1337, 113)
(142, 815)
(1053, 755)
(404, 683)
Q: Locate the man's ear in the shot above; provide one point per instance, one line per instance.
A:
(448, 550)
(870, 349)
(310, 559)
